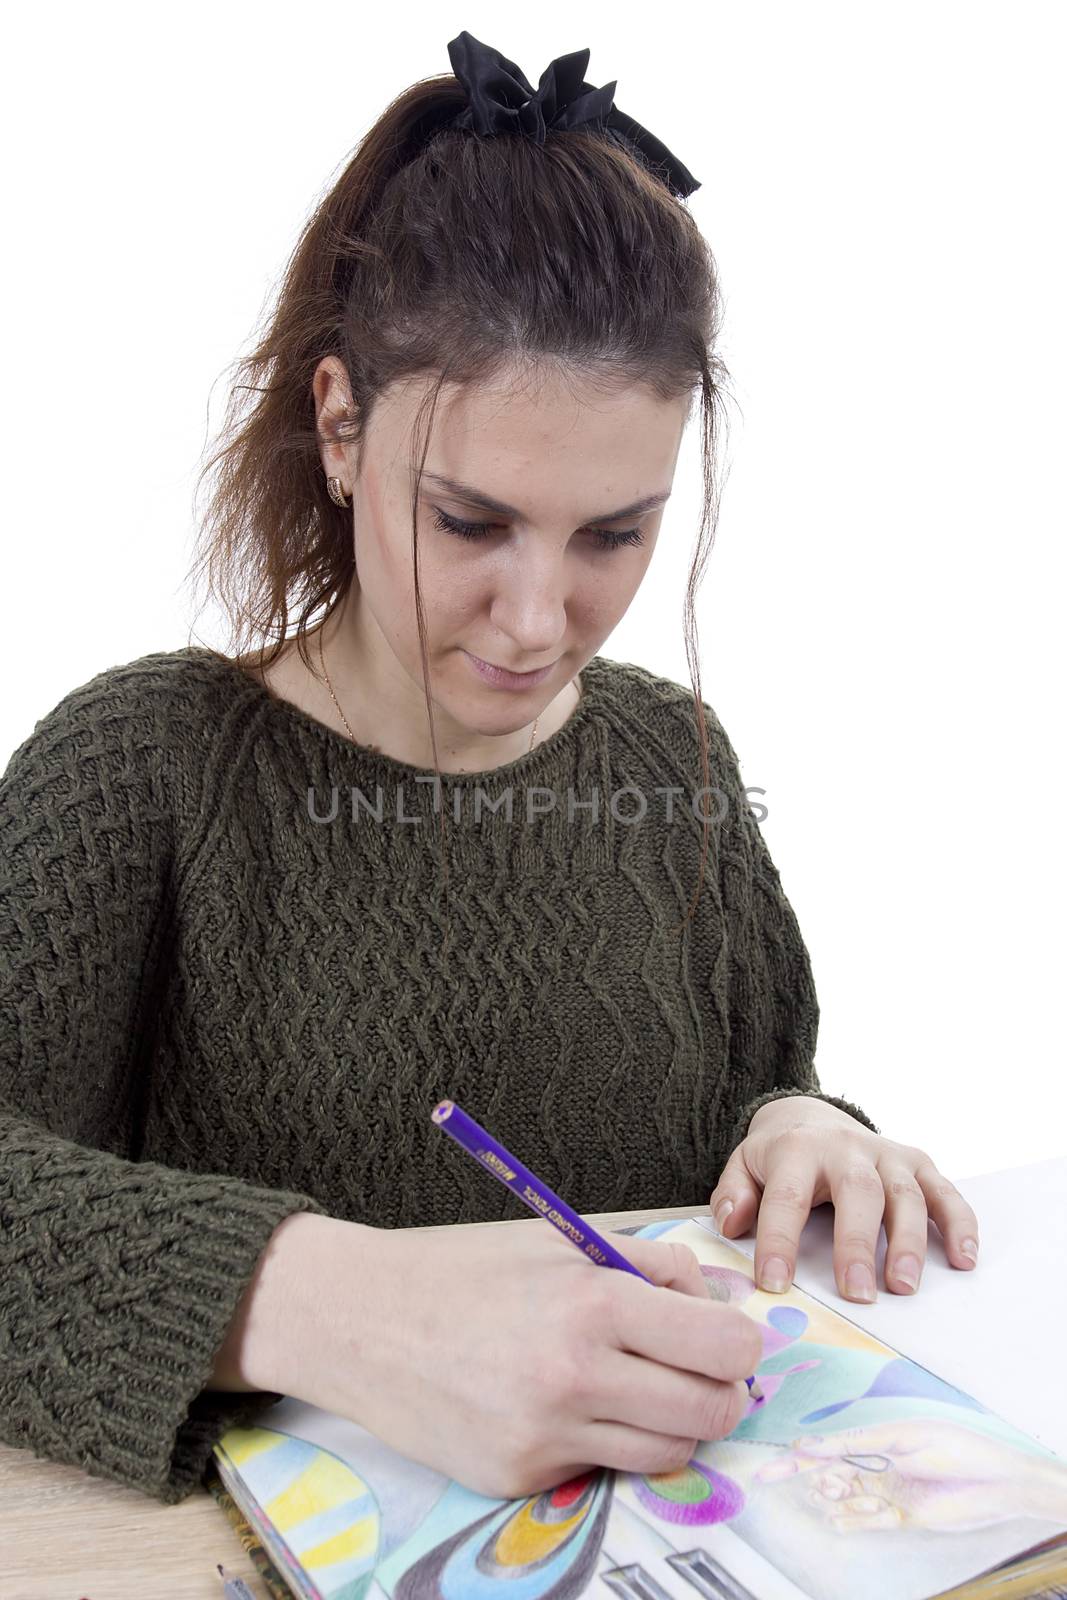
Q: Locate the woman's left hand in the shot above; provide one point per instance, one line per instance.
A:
(800, 1152)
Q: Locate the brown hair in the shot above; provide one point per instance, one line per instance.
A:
(442, 252)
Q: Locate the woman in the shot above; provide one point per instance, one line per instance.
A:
(262, 910)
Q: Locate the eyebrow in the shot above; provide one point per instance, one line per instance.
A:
(466, 491)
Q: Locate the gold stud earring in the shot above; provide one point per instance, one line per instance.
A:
(337, 494)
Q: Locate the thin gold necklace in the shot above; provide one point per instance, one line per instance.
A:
(344, 719)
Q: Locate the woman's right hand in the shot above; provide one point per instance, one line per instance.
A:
(503, 1358)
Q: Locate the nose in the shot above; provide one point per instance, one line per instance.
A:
(529, 605)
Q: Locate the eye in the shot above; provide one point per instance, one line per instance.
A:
(606, 540)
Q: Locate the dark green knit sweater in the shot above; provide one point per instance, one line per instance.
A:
(218, 1007)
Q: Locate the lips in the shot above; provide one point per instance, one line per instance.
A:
(514, 672)
(506, 677)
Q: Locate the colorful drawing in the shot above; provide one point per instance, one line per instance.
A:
(694, 1496)
(910, 1471)
(312, 1505)
(542, 1548)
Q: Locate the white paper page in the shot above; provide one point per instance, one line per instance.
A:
(996, 1332)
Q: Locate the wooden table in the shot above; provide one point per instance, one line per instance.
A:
(67, 1536)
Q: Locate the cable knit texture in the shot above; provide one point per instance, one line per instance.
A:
(224, 998)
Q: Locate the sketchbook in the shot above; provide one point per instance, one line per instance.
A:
(909, 1489)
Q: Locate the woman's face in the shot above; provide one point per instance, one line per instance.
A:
(540, 582)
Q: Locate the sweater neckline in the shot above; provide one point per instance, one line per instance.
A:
(283, 712)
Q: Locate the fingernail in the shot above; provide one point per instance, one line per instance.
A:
(722, 1212)
(859, 1282)
(775, 1275)
(907, 1271)
(969, 1248)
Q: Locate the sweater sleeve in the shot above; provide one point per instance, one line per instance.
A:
(773, 1008)
(118, 1278)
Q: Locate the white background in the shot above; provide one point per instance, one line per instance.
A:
(881, 617)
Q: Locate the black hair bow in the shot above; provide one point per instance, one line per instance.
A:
(500, 100)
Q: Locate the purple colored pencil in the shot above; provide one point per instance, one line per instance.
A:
(491, 1154)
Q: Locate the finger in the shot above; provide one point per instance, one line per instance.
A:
(846, 1519)
(891, 1518)
(703, 1336)
(834, 1486)
(625, 1449)
(880, 1438)
(734, 1201)
(956, 1222)
(669, 1265)
(788, 1466)
(788, 1190)
(858, 1195)
(860, 1504)
(906, 1227)
(656, 1399)
(775, 1471)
